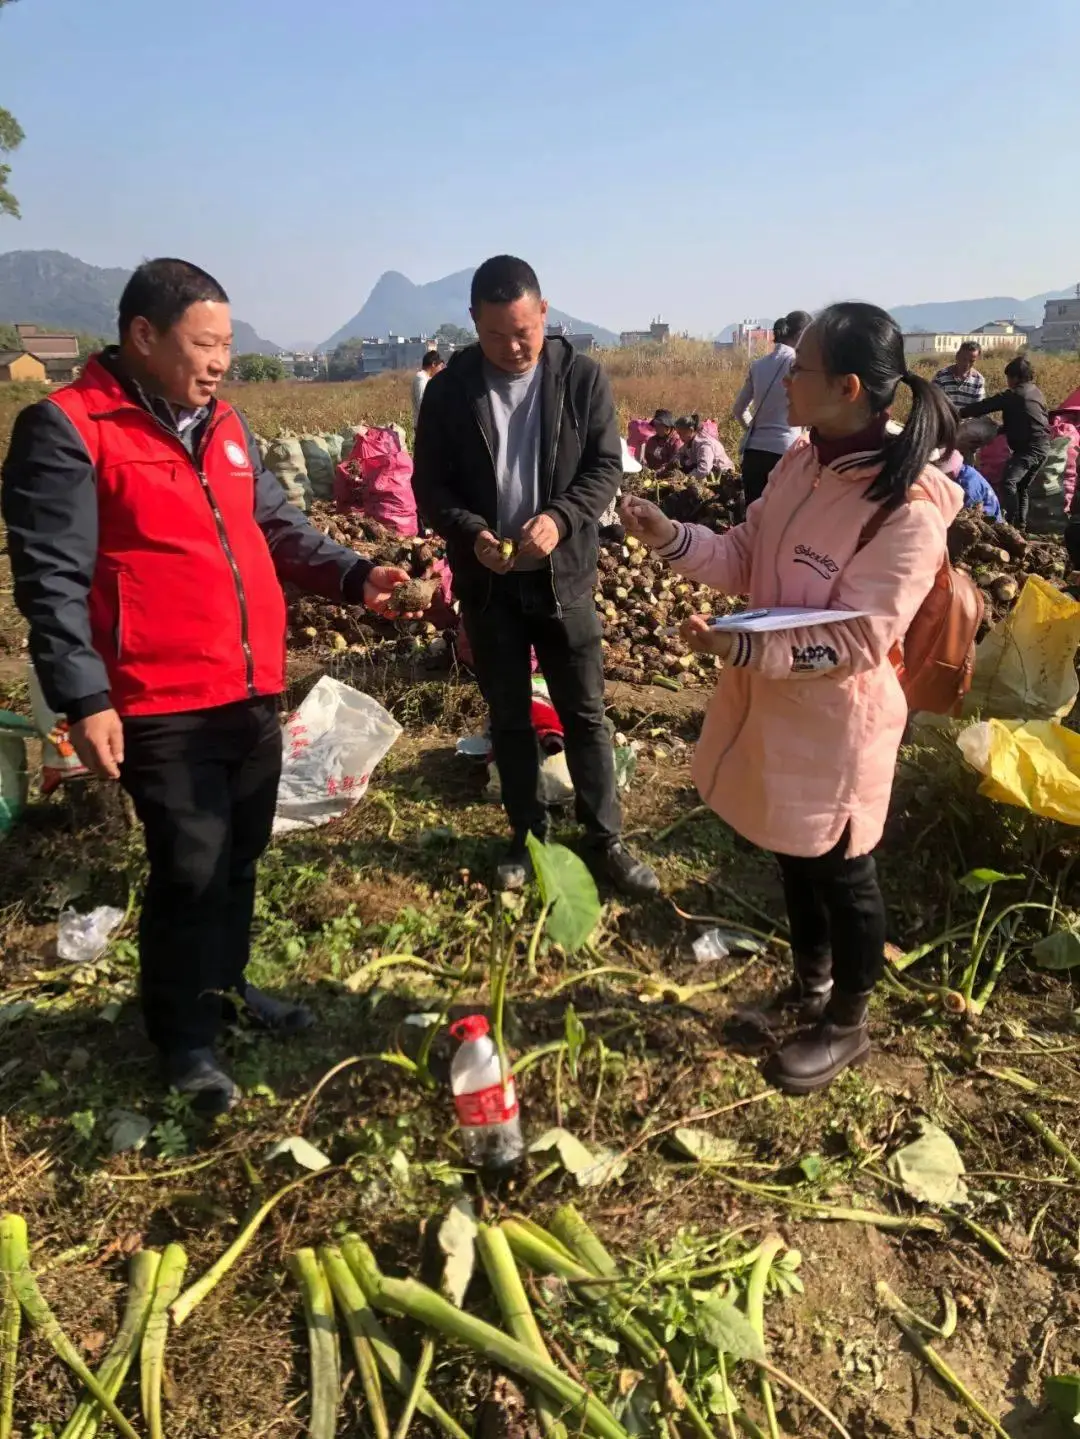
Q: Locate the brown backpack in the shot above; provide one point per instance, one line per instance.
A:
(937, 660)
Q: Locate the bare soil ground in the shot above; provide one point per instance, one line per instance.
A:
(406, 872)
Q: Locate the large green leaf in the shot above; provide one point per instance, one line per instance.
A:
(720, 1323)
(1062, 1393)
(976, 880)
(1058, 951)
(570, 890)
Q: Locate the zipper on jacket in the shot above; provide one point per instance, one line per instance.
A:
(550, 487)
(746, 710)
(223, 537)
(245, 629)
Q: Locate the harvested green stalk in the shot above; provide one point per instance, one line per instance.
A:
(42, 1318)
(322, 1343)
(152, 1355)
(350, 1270)
(539, 1255)
(351, 1301)
(498, 1261)
(755, 1313)
(409, 1296)
(892, 1301)
(1057, 1146)
(412, 1399)
(570, 1229)
(13, 1250)
(142, 1277)
(181, 1309)
(942, 1370)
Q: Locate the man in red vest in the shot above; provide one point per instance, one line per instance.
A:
(149, 544)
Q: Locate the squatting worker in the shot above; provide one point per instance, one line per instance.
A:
(148, 545)
(518, 440)
(761, 407)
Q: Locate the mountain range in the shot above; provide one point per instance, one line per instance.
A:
(54, 290)
(51, 288)
(398, 307)
(960, 317)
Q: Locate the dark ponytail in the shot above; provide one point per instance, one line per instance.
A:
(864, 340)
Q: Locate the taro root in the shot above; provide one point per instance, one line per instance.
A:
(1009, 539)
(1004, 589)
(414, 597)
(984, 554)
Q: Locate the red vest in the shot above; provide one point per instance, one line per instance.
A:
(185, 606)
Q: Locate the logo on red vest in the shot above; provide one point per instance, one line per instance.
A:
(237, 455)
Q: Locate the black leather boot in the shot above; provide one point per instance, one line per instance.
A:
(803, 1000)
(813, 1059)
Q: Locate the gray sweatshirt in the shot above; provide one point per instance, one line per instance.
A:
(515, 423)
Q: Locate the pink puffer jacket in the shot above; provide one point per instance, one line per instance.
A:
(801, 736)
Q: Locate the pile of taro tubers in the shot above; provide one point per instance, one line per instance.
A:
(999, 560)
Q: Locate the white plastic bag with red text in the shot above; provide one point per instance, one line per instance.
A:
(332, 744)
(59, 761)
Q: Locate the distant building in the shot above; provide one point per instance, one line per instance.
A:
(57, 351)
(1060, 328)
(580, 341)
(748, 339)
(996, 335)
(18, 365)
(379, 357)
(658, 333)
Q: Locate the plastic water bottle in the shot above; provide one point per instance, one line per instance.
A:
(487, 1110)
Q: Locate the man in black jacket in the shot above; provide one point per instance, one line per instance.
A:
(1027, 428)
(148, 543)
(517, 457)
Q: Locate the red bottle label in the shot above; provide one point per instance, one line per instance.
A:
(494, 1105)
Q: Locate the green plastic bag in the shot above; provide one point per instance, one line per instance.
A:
(14, 774)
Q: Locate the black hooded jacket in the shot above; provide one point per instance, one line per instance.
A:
(454, 474)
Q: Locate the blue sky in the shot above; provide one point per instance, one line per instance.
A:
(697, 159)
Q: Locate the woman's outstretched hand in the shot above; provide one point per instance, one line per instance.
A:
(647, 522)
(704, 640)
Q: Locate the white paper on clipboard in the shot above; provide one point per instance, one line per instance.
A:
(783, 617)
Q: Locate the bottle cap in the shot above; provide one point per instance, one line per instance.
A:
(473, 1026)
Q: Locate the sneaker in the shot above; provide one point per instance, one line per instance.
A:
(275, 1016)
(197, 1074)
(628, 874)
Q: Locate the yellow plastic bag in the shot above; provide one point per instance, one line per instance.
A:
(1035, 766)
(1024, 668)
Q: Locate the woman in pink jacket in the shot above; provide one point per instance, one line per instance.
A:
(800, 741)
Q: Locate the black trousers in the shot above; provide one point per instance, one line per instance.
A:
(204, 785)
(757, 466)
(521, 615)
(834, 905)
(1020, 469)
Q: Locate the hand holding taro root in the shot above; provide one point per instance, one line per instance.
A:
(495, 554)
(389, 591)
(647, 522)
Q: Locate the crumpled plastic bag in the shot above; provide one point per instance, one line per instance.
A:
(332, 744)
(82, 938)
(1034, 766)
(1024, 667)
